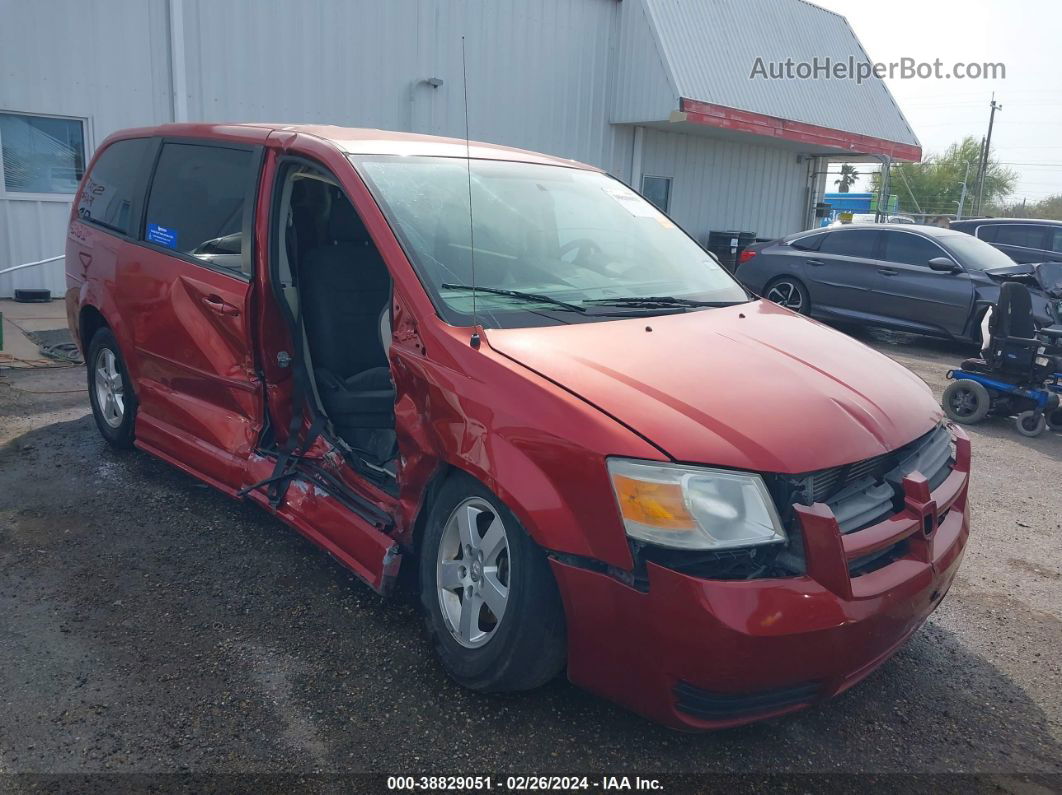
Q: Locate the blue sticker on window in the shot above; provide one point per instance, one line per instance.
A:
(163, 235)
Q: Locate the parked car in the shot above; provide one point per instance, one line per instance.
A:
(912, 278)
(514, 375)
(1021, 239)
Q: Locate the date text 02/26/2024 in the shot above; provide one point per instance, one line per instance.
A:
(522, 783)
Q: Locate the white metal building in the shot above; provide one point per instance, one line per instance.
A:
(658, 92)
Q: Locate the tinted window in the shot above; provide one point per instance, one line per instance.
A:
(910, 249)
(850, 242)
(1056, 242)
(197, 202)
(41, 154)
(109, 194)
(987, 232)
(809, 243)
(1020, 235)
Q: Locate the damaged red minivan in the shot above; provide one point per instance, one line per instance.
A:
(515, 376)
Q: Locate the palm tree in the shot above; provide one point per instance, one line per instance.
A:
(848, 177)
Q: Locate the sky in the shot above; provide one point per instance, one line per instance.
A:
(1025, 35)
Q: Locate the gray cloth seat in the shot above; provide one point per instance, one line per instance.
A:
(344, 287)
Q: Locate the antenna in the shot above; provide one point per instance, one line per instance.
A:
(474, 342)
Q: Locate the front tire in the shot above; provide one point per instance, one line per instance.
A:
(790, 293)
(492, 606)
(966, 401)
(1030, 423)
(110, 391)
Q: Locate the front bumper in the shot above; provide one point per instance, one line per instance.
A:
(707, 654)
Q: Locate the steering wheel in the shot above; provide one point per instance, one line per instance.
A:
(584, 249)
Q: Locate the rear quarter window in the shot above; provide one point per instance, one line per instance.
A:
(111, 189)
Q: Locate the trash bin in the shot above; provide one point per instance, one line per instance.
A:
(728, 245)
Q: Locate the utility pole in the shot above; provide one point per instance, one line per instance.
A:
(883, 196)
(962, 196)
(984, 155)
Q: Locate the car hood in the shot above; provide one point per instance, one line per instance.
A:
(752, 386)
(1047, 276)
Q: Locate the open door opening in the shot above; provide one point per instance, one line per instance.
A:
(333, 281)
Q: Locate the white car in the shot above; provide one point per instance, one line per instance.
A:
(871, 218)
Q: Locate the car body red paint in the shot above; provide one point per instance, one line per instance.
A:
(533, 414)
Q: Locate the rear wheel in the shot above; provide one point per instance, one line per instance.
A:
(790, 293)
(492, 606)
(1030, 423)
(966, 401)
(110, 392)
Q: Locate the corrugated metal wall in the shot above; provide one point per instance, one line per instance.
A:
(543, 75)
(107, 63)
(721, 185)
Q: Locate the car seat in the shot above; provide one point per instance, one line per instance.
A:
(345, 293)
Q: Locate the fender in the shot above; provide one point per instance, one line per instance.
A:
(530, 450)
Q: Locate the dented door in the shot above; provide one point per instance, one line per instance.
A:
(185, 291)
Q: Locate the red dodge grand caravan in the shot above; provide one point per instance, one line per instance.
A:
(515, 376)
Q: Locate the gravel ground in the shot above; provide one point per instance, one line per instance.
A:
(150, 624)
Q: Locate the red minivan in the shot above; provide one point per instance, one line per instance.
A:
(513, 375)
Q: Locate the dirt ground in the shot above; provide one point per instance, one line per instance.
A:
(149, 624)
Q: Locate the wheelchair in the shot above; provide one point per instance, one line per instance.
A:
(1020, 374)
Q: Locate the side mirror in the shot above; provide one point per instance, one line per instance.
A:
(944, 265)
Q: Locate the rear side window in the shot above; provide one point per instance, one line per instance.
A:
(109, 195)
(200, 203)
(851, 243)
(987, 232)
(1056, 242)
(1024, 235)
(910, 249)
(809, 243)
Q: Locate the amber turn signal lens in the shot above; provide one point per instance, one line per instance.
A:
(659, 505)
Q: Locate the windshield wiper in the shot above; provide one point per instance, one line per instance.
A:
(541, 299)
(658, 300)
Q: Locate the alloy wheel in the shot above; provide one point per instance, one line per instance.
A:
(786, 294)
(110, 390)
(472, 572)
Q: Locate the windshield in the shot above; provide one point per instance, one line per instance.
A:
(974, 254)
(552, 244)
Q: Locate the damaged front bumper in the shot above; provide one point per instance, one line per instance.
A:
(697, 654)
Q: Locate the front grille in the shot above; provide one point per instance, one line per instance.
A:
(707, 705)
(865, 492)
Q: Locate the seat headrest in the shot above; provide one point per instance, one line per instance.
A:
(344, 225)
(1013, 317)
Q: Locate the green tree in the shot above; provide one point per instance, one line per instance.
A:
(935, 185)
(1050, 208)
(849, 175)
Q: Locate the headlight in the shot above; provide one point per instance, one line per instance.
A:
(687, 507)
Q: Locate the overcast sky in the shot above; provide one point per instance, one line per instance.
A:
(1023, 34)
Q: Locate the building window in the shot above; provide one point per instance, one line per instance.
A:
(41, 154)
(658, 191)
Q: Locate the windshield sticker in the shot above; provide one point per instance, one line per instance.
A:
(631, 202)
(162, 235)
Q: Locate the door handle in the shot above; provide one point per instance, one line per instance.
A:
(215, 304)
(814, 262)
(887, 271)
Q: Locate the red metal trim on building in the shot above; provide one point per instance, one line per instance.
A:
(726, 118)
